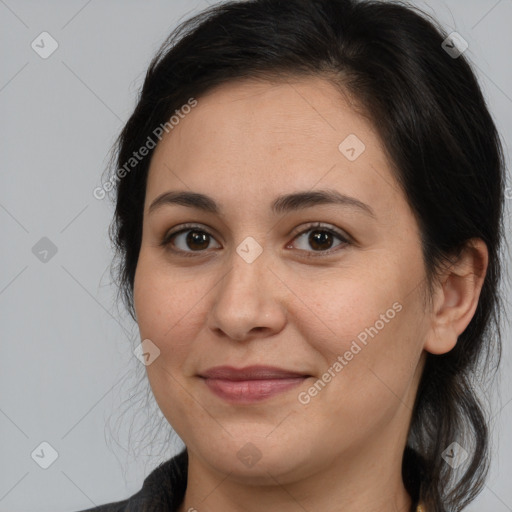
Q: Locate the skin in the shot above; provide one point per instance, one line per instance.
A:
(244, 144)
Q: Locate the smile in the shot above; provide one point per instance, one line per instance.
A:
(250, 384)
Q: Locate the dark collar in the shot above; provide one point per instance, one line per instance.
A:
(163, 489)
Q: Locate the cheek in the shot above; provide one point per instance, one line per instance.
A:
(375, 325)
(369, 381)
(164, 311)
(348, 305)
(164, 306)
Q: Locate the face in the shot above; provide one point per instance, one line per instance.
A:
(305, 258)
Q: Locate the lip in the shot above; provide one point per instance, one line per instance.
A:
(250, 384)
(256, 372)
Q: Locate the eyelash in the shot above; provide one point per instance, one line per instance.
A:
(166, 241)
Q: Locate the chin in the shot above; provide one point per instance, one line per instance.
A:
(258, 460)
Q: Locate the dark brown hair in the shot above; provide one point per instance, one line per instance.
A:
(435, 126)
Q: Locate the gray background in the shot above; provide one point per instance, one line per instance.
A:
(66, 365)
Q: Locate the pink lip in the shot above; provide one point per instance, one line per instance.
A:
(250, 384)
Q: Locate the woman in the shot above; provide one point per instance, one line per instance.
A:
(308, 219)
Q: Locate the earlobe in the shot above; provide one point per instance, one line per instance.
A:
(456, 297)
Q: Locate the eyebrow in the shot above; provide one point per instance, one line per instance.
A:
(283, 204)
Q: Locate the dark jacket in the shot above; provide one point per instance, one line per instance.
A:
(162, 491)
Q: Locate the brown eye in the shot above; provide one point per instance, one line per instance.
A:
(321, 239)
(188, 240)
(198, 240)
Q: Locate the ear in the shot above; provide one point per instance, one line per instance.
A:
(456, 297)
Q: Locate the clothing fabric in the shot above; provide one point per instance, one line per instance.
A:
(163, 490)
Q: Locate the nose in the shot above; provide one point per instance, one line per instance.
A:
(249, 301)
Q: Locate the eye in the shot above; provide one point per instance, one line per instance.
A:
(191, 236)
(321, 239)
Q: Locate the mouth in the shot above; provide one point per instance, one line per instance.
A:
(250, 384)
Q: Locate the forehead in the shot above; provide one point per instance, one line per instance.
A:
(261, 137)
(308, 110)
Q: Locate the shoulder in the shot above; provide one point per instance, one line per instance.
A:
(163, 489)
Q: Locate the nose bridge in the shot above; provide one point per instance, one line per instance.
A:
(246, 277)
(246, 299)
